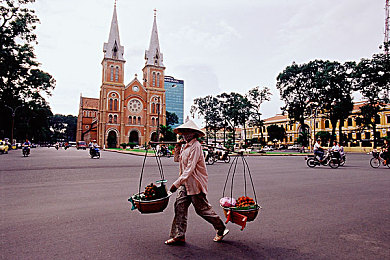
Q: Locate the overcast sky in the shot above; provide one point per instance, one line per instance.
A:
(215, 46)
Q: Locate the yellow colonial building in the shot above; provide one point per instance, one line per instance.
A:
(358, 139)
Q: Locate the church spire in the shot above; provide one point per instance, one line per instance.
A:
(153, 56)
(113, 49)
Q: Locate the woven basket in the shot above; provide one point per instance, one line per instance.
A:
(152, 206)
(251, 214)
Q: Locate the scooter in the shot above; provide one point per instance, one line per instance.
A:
(330, 158)
(26, 151)
(94, 152)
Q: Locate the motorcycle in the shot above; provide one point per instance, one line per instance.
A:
(330, 158)
(26, 151)
(212, 156)
(94, 152)
(377, 159)
(209, 156)
(164, 152)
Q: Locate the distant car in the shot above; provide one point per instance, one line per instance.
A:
(71, 143)
(295, 147)
(81, 145)
(3, 147)
(267, 148)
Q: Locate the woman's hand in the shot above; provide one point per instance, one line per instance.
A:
(173, 189)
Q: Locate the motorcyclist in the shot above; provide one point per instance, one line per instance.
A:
(26, 146)
(93, 147)
(318, 150)
(219, 150)
(27, 143)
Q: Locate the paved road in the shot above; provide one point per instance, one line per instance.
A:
(64, 205)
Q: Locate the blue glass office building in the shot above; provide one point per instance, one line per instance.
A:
(174, 95)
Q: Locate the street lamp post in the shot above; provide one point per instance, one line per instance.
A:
(13, 120)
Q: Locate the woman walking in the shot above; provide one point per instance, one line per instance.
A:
(192, 186)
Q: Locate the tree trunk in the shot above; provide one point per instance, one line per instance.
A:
(374, 132)
(341, 123)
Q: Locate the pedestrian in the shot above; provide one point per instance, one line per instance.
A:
(192, 186)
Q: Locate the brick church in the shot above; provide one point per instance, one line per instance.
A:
(125, 113)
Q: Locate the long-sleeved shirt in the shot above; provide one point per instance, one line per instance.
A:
(193, 172)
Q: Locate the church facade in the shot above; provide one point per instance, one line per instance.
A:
(125, 112)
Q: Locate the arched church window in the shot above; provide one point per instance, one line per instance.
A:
(134, 120)
(116, 73)
(158, 79)
(130, 121)
(152, 121)
(157, 108)
(115, 104)
(327, 124)
(139, 120)
(115, 119)
(110, 104)
(154, 78)
(153, 108)
(111, 73)
(110, 119)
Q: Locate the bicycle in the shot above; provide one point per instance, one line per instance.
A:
(376, 160)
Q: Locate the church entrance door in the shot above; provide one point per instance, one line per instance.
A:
(133, 138)
(111, 139)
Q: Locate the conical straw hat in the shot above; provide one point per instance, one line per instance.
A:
(189, 125)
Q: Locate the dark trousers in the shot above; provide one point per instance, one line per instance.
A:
(202, 208)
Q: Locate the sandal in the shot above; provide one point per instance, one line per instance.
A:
(219, 238)
(175, 241)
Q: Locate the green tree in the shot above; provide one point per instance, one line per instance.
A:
(334, 88)
(172, 118)
(372, 79)
(257, 96)
(276, 132)
(208, 108)
(296, 85)
(324, 136)
(63, 127)
(21, 81)
(167, 133)
(233, 111)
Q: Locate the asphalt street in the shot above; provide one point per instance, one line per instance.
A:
(64, 205)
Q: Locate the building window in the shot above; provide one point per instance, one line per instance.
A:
(139, 120)
(153, 121)
(154, 79)
(115, 104)
(87, 127)
(377, 119)
(134, 120)
(153, 108)
(388, 119)
(116, 74)
(367, 135)
(130, 121)
(111, 74)
(110, 104)
(110, 119)
(349, 121)
(327, 124)
(316, 124)
(358, 136)
(115, 119)
(158, 79)
(349, 136)
(290, 138)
